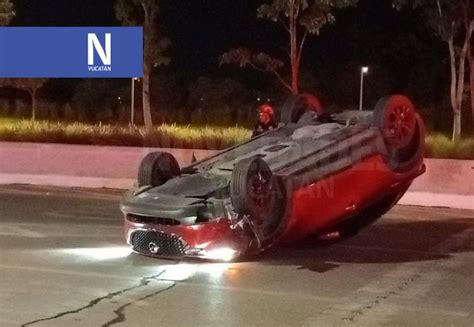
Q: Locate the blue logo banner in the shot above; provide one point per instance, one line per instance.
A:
(69, 52)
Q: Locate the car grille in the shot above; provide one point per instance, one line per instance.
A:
(152, 220)
(158, 244)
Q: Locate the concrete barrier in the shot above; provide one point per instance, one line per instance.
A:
(446, 183)
(78, 165)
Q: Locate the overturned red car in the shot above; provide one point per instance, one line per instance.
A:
(314, 174)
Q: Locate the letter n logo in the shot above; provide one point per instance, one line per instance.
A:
(104, 54)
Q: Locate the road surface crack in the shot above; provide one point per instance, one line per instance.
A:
(120, 311)
(380, 299)
(450, 246)
(145, 281)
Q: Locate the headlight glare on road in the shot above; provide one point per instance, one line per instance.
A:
(100, 254)
(220, 254)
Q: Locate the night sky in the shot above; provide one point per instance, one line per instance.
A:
(201, 30)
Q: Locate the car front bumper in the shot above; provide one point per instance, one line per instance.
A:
(218, 240)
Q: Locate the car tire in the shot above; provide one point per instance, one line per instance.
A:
(254, 192)
(402, 130)
(294, 108)
(157, 168)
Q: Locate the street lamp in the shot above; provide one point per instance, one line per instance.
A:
(364, 70)
(132, 107)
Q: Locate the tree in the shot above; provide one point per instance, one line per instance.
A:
(30, 85)
(98, 99)
(453, 22)
(299, 18)
(145, 12)
(6, 12)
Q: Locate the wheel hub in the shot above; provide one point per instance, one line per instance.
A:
(400, 126)
(259, 193)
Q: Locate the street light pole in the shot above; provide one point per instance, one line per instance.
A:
(363, 71)
(132, 107)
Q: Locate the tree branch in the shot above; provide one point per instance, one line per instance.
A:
(288, 53)
(280, 79)
(440, 10)
(452, 55)
(283, 82)
(285, 26)
(251, 64)
(296, 5)
(145, 8)
(462, 66)
(300, 51)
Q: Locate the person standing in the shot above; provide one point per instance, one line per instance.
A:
(266, 120)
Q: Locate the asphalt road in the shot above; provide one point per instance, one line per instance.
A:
(63, 262)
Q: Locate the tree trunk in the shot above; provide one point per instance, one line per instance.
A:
(294, 51)
(456, 125)
(294, 78)
(471, 80)
(148, 26)
(470, 58)
(453, 92)
(294, 66)
(146, 99)
(459, 85)
(469, 26)
(33, 105)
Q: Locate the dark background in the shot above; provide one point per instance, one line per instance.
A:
(402, 54)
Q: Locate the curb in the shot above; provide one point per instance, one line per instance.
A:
(67, 181)
(427, 199)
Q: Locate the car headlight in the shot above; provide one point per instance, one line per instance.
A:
(220, 254)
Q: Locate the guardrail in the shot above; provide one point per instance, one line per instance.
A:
(447, 183)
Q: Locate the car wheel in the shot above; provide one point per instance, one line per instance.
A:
(294, 108)
(254, 192)
(402, 130)
(157, 168)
